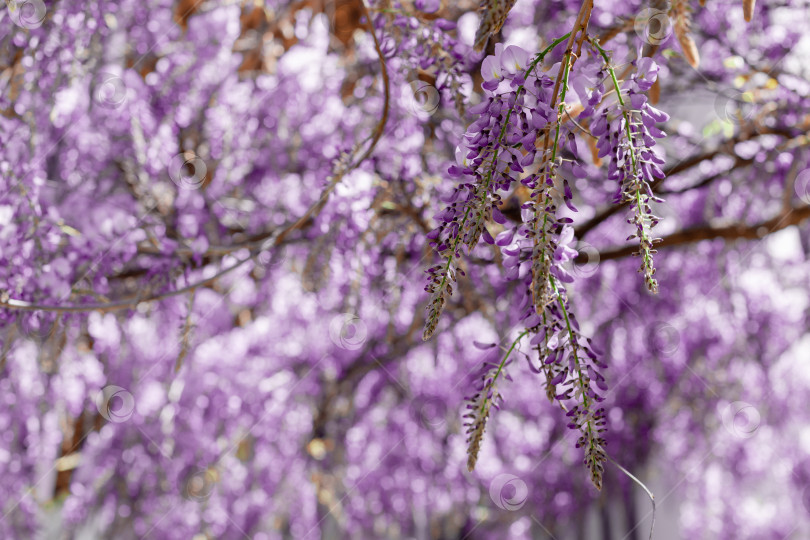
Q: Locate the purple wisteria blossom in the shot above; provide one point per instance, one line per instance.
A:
(215, 219)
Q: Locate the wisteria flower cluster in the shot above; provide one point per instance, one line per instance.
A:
(214, 219)
(626, 132)
(498, 149)
(495, 150)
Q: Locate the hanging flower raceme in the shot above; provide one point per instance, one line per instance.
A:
(626, 130)
(496, 150)
(536, 253)
(565, 357)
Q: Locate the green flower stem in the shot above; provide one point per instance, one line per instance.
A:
(501, 365)
(585, 400)
(644, 238)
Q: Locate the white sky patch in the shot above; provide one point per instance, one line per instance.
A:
(785, 244)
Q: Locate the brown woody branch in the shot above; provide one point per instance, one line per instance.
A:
(738, 231)
(681, 166)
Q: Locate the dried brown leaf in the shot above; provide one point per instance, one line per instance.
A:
(748, 9)
(493, 15)
(682, 13)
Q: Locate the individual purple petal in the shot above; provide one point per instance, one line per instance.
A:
(497, 216)
(656, 114)
(528, 159)
(505, 238)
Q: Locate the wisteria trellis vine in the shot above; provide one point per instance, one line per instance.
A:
(191, 191)
(500, 149)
